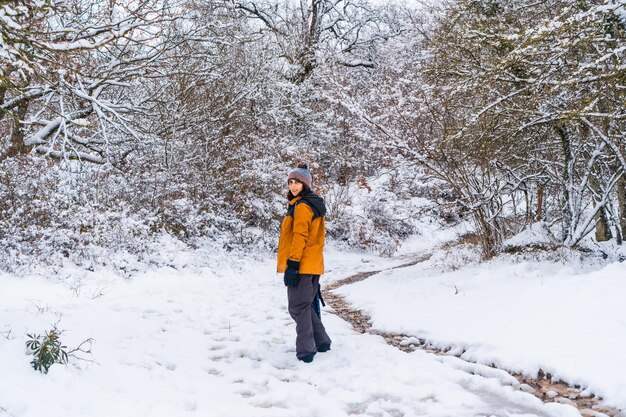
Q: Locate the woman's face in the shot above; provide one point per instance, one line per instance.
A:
(295, 187)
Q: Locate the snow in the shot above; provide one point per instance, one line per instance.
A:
(567, 319)
(5, 12)
(218, 340)
(536, 233)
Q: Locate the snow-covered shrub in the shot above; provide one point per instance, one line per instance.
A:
(459, 254)
(538, 242)
(535, 236)
(94, 216)
(91, 216)
(338, 199)
(377, 221)
(35, 218)
(52, 214)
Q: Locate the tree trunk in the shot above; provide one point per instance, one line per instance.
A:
(566, 146)
(3, 91)
(17, 135)
(618, 233)
(489, 236)
(603, 231)
(621, 201)
(539, 215)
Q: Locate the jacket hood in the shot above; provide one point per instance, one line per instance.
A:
(315, 202)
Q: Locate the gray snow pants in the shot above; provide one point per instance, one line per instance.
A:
(310, 331)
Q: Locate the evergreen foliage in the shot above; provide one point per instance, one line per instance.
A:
(46, 350)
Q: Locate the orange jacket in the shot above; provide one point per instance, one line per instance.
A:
(302, 239)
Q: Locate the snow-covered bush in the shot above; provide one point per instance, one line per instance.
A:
(380, 216)
(51, 215)
(457, 255)
(91, 216)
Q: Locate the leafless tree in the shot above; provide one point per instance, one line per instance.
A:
(66, 90)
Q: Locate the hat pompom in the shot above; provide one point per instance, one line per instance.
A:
(303, 165)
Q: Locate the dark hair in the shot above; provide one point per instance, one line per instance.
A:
(305, 191)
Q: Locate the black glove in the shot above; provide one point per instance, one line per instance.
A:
(292, 278)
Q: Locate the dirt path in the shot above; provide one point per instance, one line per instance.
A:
(542, 387)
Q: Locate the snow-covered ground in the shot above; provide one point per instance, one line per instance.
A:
(566, 318)
(219, 342)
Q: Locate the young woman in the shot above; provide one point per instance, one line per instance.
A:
(300, 257)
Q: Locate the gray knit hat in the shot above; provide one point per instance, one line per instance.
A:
(301, 174)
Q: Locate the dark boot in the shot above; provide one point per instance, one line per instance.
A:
(307, 358)
(324, 347)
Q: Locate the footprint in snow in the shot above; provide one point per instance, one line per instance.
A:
(191, 405)
(217, 358)
(216, 347)
(267, 404)
(246, 394)
(226, 338)
(169, 366)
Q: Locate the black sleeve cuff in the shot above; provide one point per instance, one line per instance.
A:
(294, 265)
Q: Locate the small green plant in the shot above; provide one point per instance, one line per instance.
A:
(46, 350)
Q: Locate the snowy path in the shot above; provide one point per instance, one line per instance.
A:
(190, 343)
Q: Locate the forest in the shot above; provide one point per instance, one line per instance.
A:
(122, 121)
